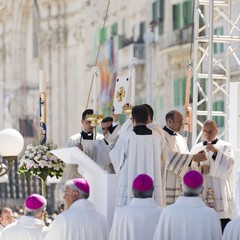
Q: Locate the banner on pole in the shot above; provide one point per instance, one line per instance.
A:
(121, 94)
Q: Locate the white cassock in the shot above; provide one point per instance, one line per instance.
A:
(98, 151)
(176, 167)
(133, 155)
(138, 220)
(71, 170)
(77, 139)
(25, 228)
(80, 221)
(220, 177)
(232, 230)
(188, 219)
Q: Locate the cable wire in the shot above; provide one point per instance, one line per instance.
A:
(98, 51)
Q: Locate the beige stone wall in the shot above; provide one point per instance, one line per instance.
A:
(67, 50)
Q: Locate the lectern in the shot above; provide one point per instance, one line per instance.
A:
(103, 186)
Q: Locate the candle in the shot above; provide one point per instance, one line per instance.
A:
(42, 81)
(42, 103)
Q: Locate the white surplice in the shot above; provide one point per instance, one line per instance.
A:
(25, 228)
(187, 219)
(98, 151)
(178, 144)
(220, 177)
(232, 230)
(138, 220)
(80, 221)
(71, 170)
(133, 155)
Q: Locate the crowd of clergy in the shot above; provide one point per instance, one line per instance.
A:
(165, 191)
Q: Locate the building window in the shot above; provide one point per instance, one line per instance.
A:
(218, 106)
(103, 35)
(218, 47)
(176, 10)
(180, 91)
(142, 30)
(26, 127)
(187, 13)
(114, 29)
(161, 16)
(154, 11)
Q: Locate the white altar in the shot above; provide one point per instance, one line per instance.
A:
(103, 186)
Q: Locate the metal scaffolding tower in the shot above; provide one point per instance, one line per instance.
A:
(216, 54)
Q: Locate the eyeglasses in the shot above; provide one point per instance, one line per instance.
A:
(208, 132)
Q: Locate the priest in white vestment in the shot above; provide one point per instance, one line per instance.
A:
(179, 165)
(175, 152)
(83, 138)
(217, 172)
(138, 151)
(138, 220)
(189, 218)
(80, 220)
(232, 230)
(99, 150)
(30, 226)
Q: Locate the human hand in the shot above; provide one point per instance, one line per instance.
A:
(113, 115)
(80, 146)
(110, 166)
(210, 147)
(199, 157)
(205, 169)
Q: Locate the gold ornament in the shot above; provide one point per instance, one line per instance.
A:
(120, 94)
(95, 119)
(209, 197)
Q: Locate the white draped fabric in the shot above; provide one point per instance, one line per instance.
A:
(177, 166)
(26, 228)
(138, 220)
(219, 178)
(80, 221)
(135, 154)
(188, 218)
(232, 230)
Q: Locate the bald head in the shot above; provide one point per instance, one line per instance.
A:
(210, 130)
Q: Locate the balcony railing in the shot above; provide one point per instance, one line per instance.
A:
(136, 50)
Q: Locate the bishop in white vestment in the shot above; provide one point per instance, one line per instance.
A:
(30, 226)
(80, 220)
(189, 218)
(138, 220)
(217, 172)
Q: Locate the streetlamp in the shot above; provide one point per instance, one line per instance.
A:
(11, 144)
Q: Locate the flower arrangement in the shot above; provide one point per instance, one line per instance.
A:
(38, 161)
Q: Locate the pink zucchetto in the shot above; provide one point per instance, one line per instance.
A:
(193, 179)
(82, 184)
(142, 183)
(35, 201)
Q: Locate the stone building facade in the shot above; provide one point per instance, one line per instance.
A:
(63, 38)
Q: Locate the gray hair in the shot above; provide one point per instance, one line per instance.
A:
(35, 212)
(73, 187)
(191, 192)
(145, 194)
